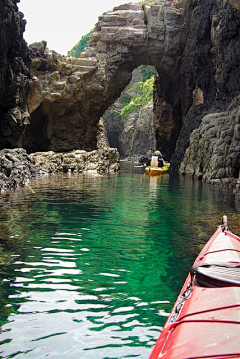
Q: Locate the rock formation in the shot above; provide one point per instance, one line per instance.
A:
(15, 168)
(137, 136)
(14, 76)
(100, 161)
(213, 153)
(68, 95)
(209, 64)
(194, 46)
(209, 90)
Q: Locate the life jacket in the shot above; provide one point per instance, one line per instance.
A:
(156, 162)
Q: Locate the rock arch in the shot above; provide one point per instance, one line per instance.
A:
(68, 96)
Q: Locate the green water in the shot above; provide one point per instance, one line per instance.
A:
(91, 265)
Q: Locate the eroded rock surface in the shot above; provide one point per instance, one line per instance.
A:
(214, 148)
(210, 84)
(101, 161)
(68, 95)
(134, 134)
(210, 65)
(194, 45)
(15, 168)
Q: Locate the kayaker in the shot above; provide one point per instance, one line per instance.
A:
(160, 159)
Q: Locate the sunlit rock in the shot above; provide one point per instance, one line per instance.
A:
(101, 161)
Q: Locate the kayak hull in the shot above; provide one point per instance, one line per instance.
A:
(205, 320)
(157, 171)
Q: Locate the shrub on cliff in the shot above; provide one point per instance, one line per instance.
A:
(141, 94)
(80, 46)
(148, 2)
(147, 72)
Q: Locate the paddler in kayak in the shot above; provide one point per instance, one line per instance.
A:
(156, 160)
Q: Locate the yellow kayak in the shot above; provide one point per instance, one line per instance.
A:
(156, 171)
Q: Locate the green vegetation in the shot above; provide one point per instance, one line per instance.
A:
(147, 72)
(140, 95)
(148, 2)
(80, 46)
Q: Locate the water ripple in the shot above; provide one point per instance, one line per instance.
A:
(92, 262)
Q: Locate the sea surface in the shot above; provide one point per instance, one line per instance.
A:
(91, 265)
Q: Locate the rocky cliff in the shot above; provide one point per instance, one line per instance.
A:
(14, 76)
(194, 46)
(213, 152)
(209, 92)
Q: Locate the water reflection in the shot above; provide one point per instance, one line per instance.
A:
(94, 263)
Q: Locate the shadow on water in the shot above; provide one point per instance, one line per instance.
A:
(91, 265)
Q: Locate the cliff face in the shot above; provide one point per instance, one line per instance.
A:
(137, 136)
(209, 70)
(213, 153)
(14, 76)
(209, 92)
(194, 46)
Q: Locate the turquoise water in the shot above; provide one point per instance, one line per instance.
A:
(91, 265)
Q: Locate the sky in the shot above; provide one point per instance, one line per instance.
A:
(62, 23)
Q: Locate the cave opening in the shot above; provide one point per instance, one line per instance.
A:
(35, 139)
(129, 121)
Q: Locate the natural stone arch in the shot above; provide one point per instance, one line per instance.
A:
(70, 95)
(194, 44)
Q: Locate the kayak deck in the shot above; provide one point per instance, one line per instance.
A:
(205, 320)
(212, 332)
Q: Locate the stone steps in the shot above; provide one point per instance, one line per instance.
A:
(85, 61)
(82, 68)
(83, 65)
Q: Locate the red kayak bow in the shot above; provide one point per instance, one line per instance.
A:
(205, 320)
